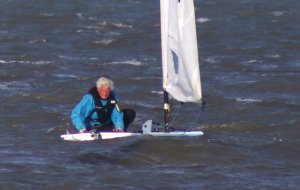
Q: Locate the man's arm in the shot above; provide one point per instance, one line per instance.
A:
(117, 119)
(82, 111)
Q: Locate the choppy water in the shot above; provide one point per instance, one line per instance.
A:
(52, 52)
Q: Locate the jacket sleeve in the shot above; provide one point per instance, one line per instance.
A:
(82, 111)
(117, 119)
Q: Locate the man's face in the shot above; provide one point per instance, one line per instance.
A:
(104, 91)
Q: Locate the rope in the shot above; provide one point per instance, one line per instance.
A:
(176, 113)
(202, 110)
(173, 117)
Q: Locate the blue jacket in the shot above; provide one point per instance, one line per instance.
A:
(84, 109)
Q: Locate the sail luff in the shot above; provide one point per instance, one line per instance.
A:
(164, 29)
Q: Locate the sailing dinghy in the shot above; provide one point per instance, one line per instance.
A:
(181, 75)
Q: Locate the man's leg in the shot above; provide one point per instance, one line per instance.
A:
(129, 116)
(107, 127)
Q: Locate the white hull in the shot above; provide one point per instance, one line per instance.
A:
(176, 134)
(112, 135)
(146, 128)
(95, 136)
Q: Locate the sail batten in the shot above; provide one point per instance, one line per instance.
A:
(181, 74)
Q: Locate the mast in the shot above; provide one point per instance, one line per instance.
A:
(166, 108)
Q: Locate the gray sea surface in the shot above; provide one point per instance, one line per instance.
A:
(52, 52)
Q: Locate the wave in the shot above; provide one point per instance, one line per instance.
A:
(129, 62)
(104, 41)
(27, 62)
(48, 14)
(38, 41)
(65, 75)
(278, 13)
(73, 58)
(212, 59)
(275, 56)
(14, 85)
(254, 61)
(3, 32)
(203, 20)
(4, 62)
(80, 15)
(140, 104)
(247, 100)
(68, 57)
(157, 92)
(115, 25)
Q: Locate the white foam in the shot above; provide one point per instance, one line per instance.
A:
(48, 14)
(129, 62)
(248, 100)
(157, 92)
(113, 33)
(14, 85)
(273, 56)
(65, 75)
(278, 13)
(3, 61)
(212, 60)
(27, 62)
(118, 25)
(80, 15)
(254, 61)
(41, 62)
(67, 57)
(203, 20)
(43, 40)
(104, 41)
(92, 18)
(93, 58)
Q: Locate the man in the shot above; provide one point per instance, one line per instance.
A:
(99, 108)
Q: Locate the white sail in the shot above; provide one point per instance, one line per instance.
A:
(181, 75)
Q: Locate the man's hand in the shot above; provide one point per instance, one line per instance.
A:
(117, 129)
(82, 130)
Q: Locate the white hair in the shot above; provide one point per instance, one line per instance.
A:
(106, 82)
